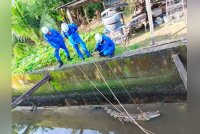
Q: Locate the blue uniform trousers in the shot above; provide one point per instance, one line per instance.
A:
(107, 52)
(83, 46)
(56, 53)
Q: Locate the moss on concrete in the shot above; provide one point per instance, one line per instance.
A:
(145, 69)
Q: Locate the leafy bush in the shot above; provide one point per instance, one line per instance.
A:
(28, 58)
(29, 51)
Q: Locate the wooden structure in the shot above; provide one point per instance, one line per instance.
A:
(78, 3)
(75, 4)
(150, 19)
(175, 9)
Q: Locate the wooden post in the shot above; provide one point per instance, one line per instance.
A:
(103, 5)
(167, 14)
(180, 68)
(86, 16)
(150, 19)
(182, 2)
(184, 14)
(69, 15)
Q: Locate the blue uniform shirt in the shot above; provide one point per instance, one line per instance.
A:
(72, 34)
(106, 44)
(55, 39)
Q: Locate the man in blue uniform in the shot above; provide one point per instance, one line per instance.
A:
(55, 39)
(69, 31)
(105, 46)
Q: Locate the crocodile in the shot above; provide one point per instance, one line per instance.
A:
(123, 117)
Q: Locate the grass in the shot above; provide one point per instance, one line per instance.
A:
(28, 58)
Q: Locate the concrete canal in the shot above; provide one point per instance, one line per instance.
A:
(148, 74)
(88, 120)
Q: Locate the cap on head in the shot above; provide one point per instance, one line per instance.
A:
(98, 38)
(64, 27)
(45, 30)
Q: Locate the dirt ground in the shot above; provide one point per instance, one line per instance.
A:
(163, 32)
(166, 31)
(93, 25)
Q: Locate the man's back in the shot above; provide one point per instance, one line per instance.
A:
(54, 38)
(108, 41)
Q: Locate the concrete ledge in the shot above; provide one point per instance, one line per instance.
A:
(141, 67)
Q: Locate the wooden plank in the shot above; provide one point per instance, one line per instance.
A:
(69, 16)
(67, 4)
(76, 3)
(29, 92)
(80, 2)
(150, 19)
(180, 68)
(167, 14)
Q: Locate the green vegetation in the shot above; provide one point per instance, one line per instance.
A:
(28, 58)
(32, 58)
(30, 51)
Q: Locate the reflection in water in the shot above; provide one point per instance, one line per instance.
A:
(76, 120)
(31, 129)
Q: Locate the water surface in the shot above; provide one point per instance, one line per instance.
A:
(86, 120)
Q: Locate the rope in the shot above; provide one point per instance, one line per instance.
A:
(124, 88)
(132, 120)
(128, 94)
(144, 130)
(98, 89)
(127, 50)
(92, 88)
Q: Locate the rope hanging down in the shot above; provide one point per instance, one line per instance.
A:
(97, 88)
(120, 102)
(124, 88)
(133, 121)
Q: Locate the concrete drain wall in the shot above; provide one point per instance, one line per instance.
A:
(142, 71)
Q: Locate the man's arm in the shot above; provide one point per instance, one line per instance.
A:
(50, 42)
(97, 46)
(75, 27)
(64, 35)
(106, 45)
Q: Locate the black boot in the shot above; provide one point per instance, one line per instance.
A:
(60, 63)
(111, 55)
(101, 54)
(83, 58)
(69, 59)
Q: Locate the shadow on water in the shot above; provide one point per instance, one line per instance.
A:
(87, 120)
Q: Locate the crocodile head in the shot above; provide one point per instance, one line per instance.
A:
(148, 115)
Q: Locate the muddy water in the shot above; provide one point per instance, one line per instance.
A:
(88, 120)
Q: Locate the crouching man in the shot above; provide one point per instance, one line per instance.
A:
(105, 46)
(55, 39)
